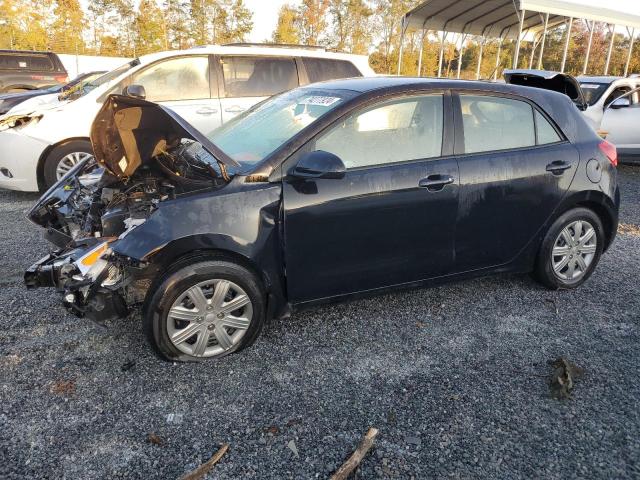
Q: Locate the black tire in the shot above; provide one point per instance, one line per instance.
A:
(176, 281)
(57, 154)
(544, 271)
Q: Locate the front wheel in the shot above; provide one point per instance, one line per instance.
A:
(204, 310)
(570, 250)
(64, 158)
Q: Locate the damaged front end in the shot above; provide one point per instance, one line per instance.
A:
(145, 156)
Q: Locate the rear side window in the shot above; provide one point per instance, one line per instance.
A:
(399, 130)
(546, 132)
(258, 76)
(320, 69)
(494, 123)
(25, 62)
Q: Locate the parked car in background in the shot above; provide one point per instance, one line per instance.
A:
(10, 100)
(207, 86)
(322, 193)
(25, 70)
(611, 104)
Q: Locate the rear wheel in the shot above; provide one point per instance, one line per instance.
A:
(64, 158)
(571, 249)
(204, 310)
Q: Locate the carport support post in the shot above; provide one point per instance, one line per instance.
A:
(444, 36)
(464, 38)
(613, 37)
(403, 30)
(480, 58)
(544, 38)
(495, 71)
(591, 28)
(517, 54)
(633, 37)
(566, 45)
(424, 34)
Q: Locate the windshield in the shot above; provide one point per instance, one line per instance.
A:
(85, 87)
(252, 136)
(593, 91)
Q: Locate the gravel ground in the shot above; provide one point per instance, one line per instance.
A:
(454, 378)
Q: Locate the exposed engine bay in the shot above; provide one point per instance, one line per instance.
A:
(100, 202)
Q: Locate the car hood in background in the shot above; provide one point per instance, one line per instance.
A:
(128, 131)
(556, 81)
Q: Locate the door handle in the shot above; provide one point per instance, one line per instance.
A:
(207, 111)
(234, 109)
(558, 167)
(435, 183)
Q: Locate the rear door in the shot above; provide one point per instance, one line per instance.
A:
(185, 85)
(391, 219)
(515, 167)
(247, 80)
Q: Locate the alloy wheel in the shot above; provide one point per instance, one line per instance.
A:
(574, 250)
(209, 318)
(69, 161)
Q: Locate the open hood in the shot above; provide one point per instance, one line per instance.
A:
(128, 131)
(558, 82)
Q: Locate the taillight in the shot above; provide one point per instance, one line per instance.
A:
(62, 78)
(609, 149)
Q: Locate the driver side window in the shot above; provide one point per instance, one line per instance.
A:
(398, 130)
(184, 78)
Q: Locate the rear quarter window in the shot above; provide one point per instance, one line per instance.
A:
(321, 69)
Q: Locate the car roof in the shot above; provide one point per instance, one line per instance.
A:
(259, 50)
(367, 84)
(26, 52)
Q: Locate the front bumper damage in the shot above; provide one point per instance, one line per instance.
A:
(92, 281)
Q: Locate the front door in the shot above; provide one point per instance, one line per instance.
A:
(184, 84)
(391, 219)
(515, 168)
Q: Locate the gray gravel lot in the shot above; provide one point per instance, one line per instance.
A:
(454, 378)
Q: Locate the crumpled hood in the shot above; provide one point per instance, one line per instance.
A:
(548, 80)
(129, 131)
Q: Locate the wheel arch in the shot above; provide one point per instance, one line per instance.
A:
(45, 154)
(600, 204)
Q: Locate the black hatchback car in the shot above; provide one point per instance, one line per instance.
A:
(25, 70)
(325, 192)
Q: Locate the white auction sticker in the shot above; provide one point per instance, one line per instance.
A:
(590, 86)
(320, 100)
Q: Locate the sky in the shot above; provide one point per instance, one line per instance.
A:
(265, 12)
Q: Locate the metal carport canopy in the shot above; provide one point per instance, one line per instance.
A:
(501, 18)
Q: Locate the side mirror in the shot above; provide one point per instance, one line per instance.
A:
(620, 103)
(319, 164)
(135, 91)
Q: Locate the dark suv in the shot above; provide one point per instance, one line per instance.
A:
(23, 70)
(322, 193)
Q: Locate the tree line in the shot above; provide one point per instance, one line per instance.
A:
(131, 28)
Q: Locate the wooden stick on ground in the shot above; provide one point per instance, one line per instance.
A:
(203, 469)
(356, 457)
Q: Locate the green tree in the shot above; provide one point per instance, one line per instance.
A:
(351, 25)
(67, 27)
(287, 27)
(313, 21)
(149, 28)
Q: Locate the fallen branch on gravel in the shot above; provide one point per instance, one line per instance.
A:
(203, 469)
(629, 229)
(356, 457)
(563, 376)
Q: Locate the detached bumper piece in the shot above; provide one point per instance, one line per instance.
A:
(81, 295)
